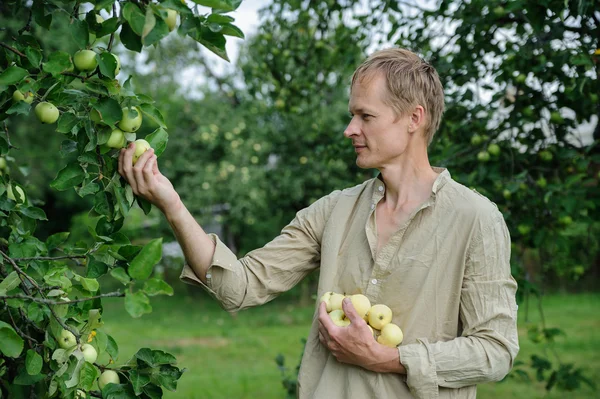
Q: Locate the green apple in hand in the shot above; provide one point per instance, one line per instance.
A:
(132, 119)
(326, 297)
(67, 339)
(361, 304)
(108, 377)
(339, 318)
(336, 301)
(141, 146)
(379, 316)
(89, 353)
(391, 335)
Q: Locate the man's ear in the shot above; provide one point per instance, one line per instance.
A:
(417, 119)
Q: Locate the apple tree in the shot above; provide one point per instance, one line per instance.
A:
(51, 337)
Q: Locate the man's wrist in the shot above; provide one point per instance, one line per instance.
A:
(387, 360)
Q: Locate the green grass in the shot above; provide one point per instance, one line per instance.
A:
(233, 357)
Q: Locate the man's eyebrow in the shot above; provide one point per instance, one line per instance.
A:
(360, 111)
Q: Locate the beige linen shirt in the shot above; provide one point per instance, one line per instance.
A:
(445, 274)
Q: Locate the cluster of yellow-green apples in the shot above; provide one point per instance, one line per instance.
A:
(68, 342)
(378, 317)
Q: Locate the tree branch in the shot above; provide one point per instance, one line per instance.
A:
(18, 330)
(115, 294)
(22, 274)
(112, 35)
(50, 258)
(14, 50)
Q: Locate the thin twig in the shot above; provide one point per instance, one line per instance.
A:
(46, 301)
(21, 273)
(83, 78)
(112, 35)
(50, 258)
(14, 50)
(18, 330)
(27, 27)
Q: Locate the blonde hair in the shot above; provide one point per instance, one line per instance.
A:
(410, 82)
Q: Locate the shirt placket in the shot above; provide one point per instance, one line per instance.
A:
(381, 261)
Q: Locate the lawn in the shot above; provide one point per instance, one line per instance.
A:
(233, 357)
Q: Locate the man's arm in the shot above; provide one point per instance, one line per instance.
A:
(147, 181)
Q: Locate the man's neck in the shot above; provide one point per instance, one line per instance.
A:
(408, 182)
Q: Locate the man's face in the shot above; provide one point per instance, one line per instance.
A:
(379, 137)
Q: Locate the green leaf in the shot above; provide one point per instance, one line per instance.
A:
(137, 304)
(90, 284)
(23, 378)
(159, 31)
(12, 75)
(19, 108)
(213, 41)
(11, 282)
(58, 62)
(56, 239)
(96, 269)
(161, 357)
(34, 56)
(135, 17)
(232, 30)
(112, 348)
(156, 286)
(118, 391)
(121, 200)
(120, 274)
(66, 122)
(110, 110)
(130, 39)
(158, 141)
(34, 213)
(33, 362)
(176, 5)
(102, 204)
(154, 114)
(107, 27)
(141, 266)
(138, 380)
(10, 343)
(87, 376)
(225, 5)
(145, 205)
(168, 376)
(108, 64)
(71, 175)
(149, 23)
(153, 391)
(79, 32)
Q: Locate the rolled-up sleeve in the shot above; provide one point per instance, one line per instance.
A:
(488, 344)
(264, 273)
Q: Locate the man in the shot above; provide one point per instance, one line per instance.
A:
(432, 250)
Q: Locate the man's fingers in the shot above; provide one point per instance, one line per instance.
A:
(127, 165)
(350, 311)
(148, 171)
(121, 172)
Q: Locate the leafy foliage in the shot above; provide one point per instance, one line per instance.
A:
(51, 309)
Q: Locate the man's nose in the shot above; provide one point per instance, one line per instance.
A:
(352, 129)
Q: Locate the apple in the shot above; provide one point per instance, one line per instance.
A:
(546, 155)
(379, 316)
(556, 117)
(46, 112)
(494, 149)
(108, 377)
(116, 139)
(483, 156)
(67, 339)
(19, 96)
(528, 111)
(476, 139)
(2, 163)
(336, 301)
(141, 146)
(85, 60)
(520, 78)
(89, 353)
(118, 61)
(506, 194)
(325, 298)
(339, 318)
(11, 194)
(372, 331)
(541, 182)
(391, 335)
(129, 123)
(171, 19)
(362, 305)
(565, 220)
(499, 11)
(524, 229)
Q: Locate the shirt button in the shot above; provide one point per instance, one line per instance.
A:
(380, 188)
(374, 281)
(208, 275)
(372, 206)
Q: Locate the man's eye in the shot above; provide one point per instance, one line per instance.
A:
(366, 117)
